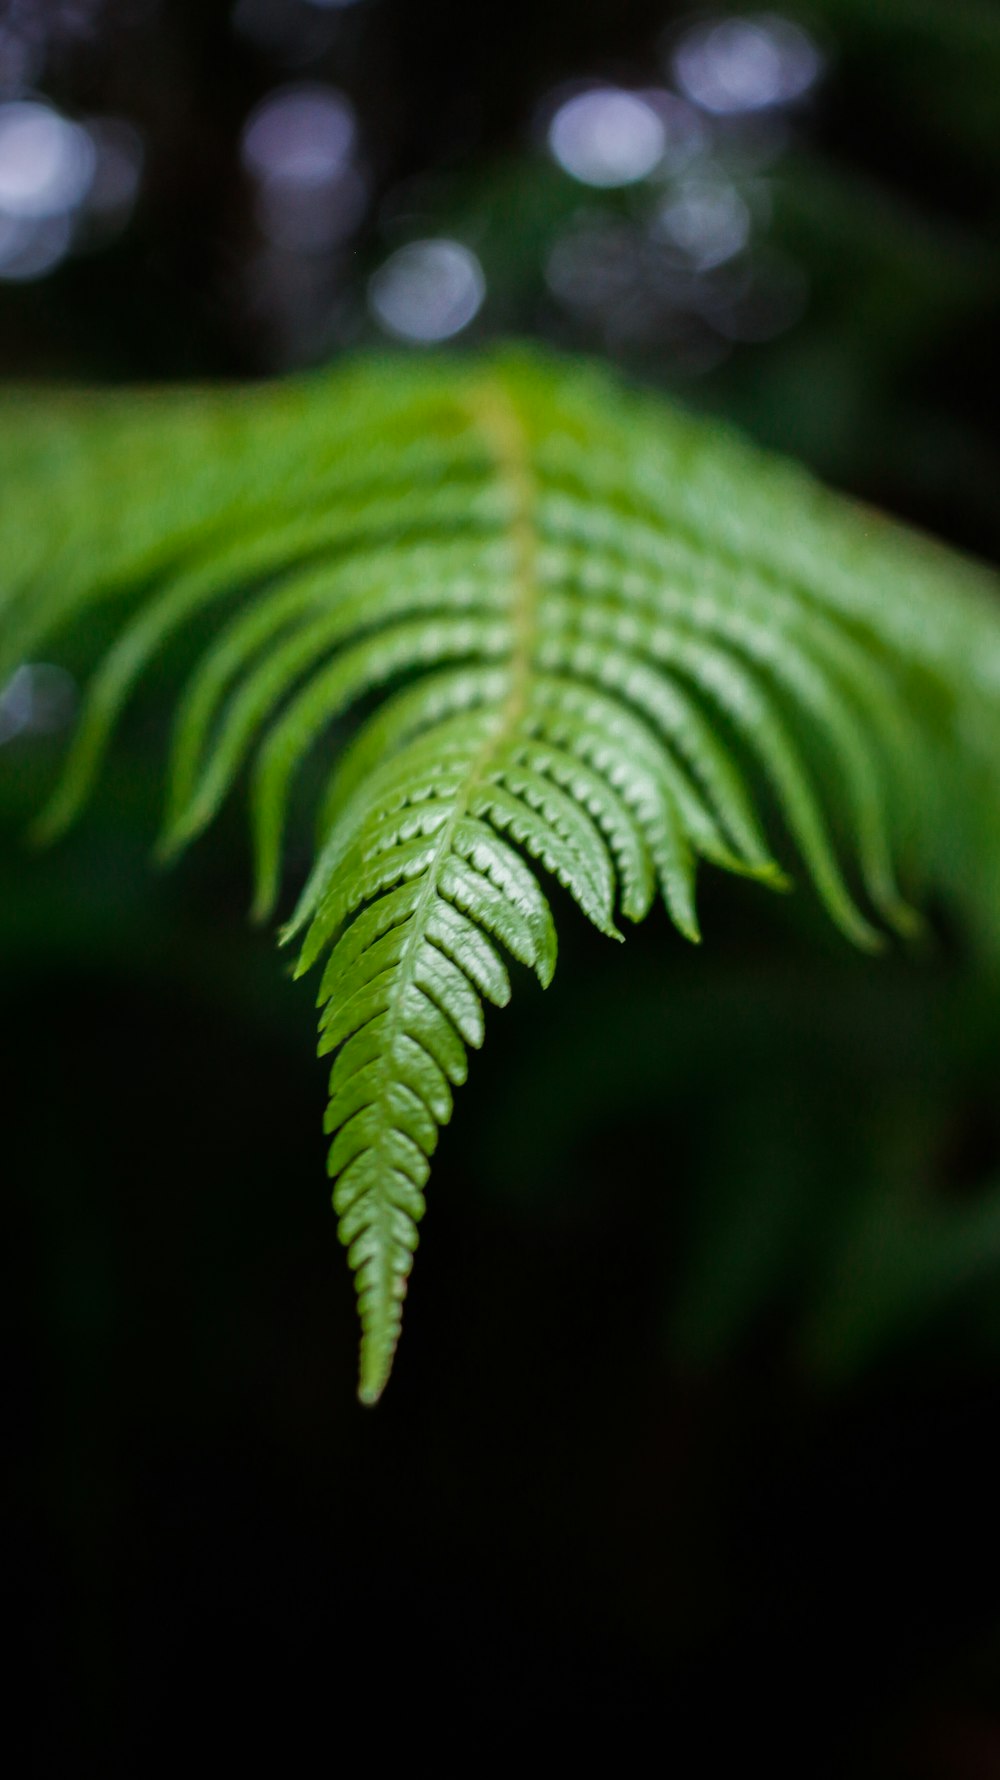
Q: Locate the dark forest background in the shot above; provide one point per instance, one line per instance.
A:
(693, 1432)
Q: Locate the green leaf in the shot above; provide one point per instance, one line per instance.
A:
(526, 624)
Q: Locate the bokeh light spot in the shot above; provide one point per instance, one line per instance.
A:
(300, 136)
(607, 137)
(706, 220)
(427, 291)
(38, 699)
(46, 162)
(745, 64)
(299, 146)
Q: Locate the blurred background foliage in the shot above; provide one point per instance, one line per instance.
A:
(695, 1426)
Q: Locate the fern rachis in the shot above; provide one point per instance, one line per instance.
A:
(586, 636)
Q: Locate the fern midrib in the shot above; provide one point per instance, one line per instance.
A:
(495, 414)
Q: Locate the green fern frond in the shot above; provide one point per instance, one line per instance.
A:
(579, 636)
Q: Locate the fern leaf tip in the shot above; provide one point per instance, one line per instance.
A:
(262, 908)
(375, 1372)
(910, 923)
(169, 846)
(54, 820)
(861, 934)
(773, 877)
(41, 833)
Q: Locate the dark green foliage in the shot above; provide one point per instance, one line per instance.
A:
(579, 632)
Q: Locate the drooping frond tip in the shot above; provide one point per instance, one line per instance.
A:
(589, 639)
